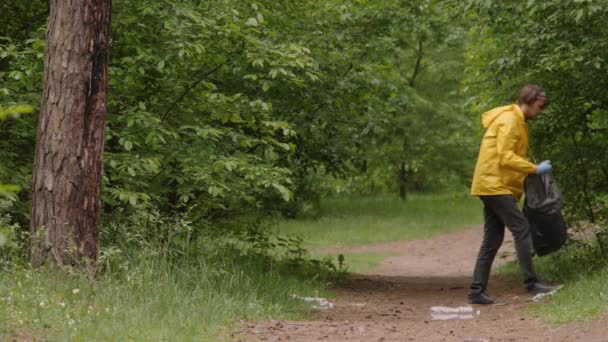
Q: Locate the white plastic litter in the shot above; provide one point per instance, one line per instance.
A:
(443, 313)
(445, 317)
(447, 309)
(540, 296)
(319, 303)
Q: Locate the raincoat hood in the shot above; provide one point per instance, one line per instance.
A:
(490, 116)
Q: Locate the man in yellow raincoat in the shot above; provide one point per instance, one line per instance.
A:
(499, 182)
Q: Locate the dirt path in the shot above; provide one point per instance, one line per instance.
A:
(392, 303)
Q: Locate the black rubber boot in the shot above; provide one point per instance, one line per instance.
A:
(483, 298)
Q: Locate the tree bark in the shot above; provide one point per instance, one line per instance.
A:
(68, 166)
(417, 67)
(403, 172)
(402, 181)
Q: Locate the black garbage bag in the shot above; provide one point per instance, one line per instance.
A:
(542, 208)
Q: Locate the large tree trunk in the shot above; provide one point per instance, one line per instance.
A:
(70, 139)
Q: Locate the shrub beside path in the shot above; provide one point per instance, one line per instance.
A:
(393, 301)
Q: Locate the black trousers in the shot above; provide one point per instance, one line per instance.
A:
(500, 211)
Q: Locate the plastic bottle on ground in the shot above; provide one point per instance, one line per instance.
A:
(446, 309)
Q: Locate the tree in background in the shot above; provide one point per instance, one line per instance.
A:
(71, 133)
(389, 78)
(563, 46)
(222, 113)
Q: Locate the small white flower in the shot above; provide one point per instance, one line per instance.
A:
(42, 304)
(71, 322)
(76, 291)
(62, 304)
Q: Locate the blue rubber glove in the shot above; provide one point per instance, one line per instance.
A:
(543, 167)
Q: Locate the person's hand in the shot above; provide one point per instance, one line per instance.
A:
(543, 167)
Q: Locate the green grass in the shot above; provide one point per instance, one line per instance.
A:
(348, 221)
(147, 301)
(584, 274)
(139, 298)
(579, 300)
(363, 262)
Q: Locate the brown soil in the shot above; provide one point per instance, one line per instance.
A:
(392, 303)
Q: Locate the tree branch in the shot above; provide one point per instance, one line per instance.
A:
(418, 61)
(189, 89)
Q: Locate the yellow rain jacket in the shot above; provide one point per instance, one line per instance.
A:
(501, 164)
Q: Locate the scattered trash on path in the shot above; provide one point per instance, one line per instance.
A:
(443, 313)
(447, 317)
(540, 296)
(320, 303)
(447, 309)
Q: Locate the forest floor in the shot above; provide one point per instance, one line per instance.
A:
(392, 302)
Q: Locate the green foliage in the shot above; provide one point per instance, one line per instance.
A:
(21, 65)
(374, 107)
(13, 241)
(222, 112)
(561, 45)
(9, 246)
(20, 19)
(184, 126)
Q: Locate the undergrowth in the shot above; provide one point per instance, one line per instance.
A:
(166, 289)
